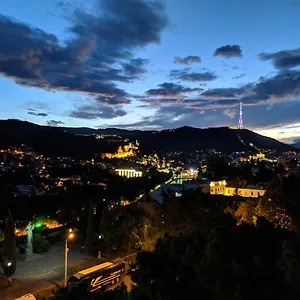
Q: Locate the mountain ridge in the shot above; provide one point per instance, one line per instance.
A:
(73, 141)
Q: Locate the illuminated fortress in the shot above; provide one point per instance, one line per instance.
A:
(122, 152)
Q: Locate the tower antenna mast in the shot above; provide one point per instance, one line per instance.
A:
(240, 126)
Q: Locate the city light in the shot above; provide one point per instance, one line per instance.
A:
(38, 225)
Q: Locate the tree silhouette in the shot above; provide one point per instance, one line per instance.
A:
(10, 249)
(90, 227)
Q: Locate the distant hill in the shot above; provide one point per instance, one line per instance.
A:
(117, 131)
(296, 145)
(50, 140)
(66, 141)
(221, 139)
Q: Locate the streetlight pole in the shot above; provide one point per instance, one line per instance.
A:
(69, 235)
(66, 261)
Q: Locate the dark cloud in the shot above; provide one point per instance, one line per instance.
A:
(191, 59)
(135, 68)
(173, 116)
(171, 89)
(229, 51)
(165, 117)
(54, 123)
(112, 100)
(219, 107)
(99, 54)
(235, 68)
(41, 114)
(282, 114)
(268, 90)
(283, 86)
(239, 76)
(224, 93)
(205, 104)
(96, 111)
(187, 75)
(285, 59)
(153, 102)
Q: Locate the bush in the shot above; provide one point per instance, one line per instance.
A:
(40, 244)
(44, 247)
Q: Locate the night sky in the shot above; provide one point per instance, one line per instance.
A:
(141, 64)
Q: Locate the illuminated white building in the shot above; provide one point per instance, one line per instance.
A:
(221, 188)
(129, 173)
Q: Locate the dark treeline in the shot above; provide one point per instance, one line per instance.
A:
(191, 247)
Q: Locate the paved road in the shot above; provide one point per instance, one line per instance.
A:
(44, 272)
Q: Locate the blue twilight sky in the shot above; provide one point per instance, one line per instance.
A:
(152, 64)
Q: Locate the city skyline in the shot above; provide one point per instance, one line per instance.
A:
(152, 65)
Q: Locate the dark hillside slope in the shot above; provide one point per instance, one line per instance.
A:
(66, 141)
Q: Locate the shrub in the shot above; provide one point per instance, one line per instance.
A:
(40, 244)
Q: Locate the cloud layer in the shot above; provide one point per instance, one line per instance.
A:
(178, 105)
(54, 123)
(284, 59)
(170, 89)
(191, 59)
(97, 111)
(187, 75)
(99, 54)
(229, 51)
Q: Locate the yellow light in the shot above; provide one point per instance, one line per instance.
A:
(71, 235)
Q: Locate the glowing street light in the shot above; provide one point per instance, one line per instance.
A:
(70, 235)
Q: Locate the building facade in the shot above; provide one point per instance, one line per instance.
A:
(129, 173)
(221, 188)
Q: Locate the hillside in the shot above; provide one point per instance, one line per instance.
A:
(50, 140)
(64, 141)
(221, 139)
(296, 145)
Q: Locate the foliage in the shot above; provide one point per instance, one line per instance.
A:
(40, 243)
(226, 262)
(284, 192)
(90, 227)
(191, 249)
(128, 228)
(274, 213)
(10, 251)
(279, 205)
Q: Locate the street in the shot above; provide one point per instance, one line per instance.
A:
(40, 276)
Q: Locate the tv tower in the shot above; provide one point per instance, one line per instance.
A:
(240, 126)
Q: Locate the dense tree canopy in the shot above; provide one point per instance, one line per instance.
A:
(224, 261)
(10, 252)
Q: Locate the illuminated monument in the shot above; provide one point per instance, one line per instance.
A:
(122, 152)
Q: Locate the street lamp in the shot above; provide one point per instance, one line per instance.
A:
(70, 235)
